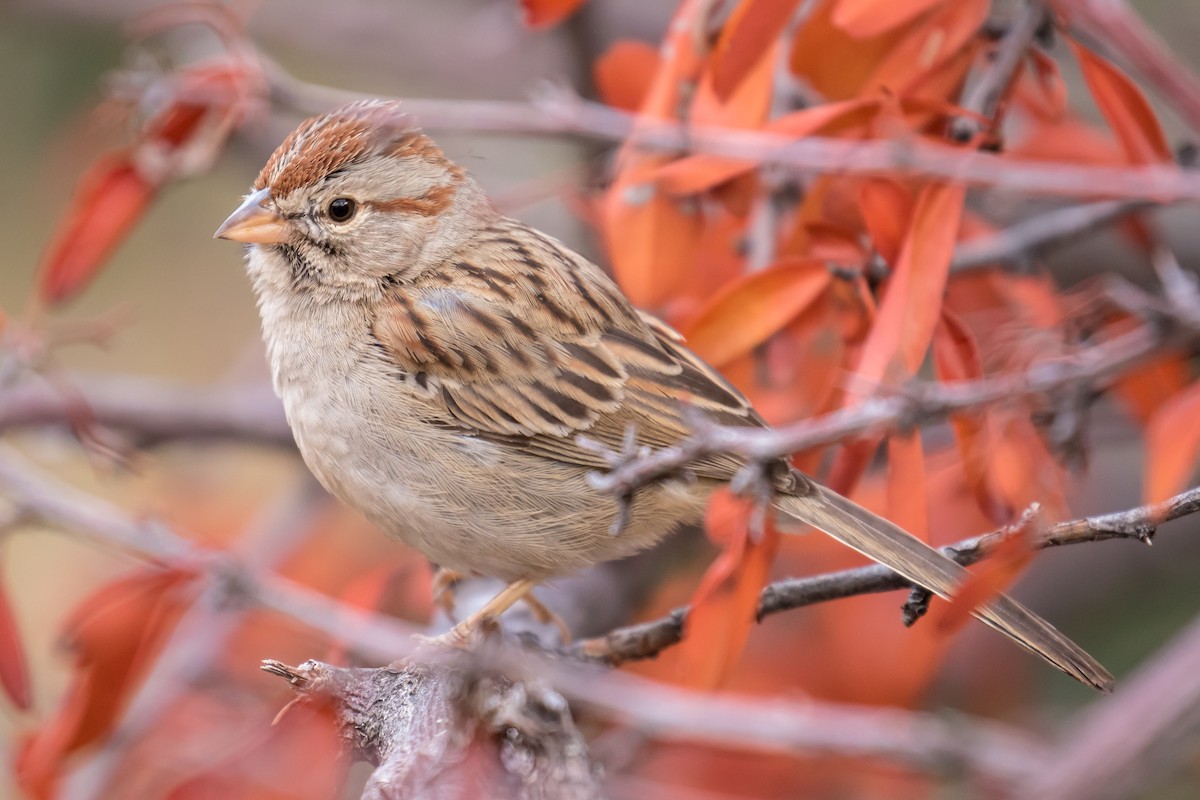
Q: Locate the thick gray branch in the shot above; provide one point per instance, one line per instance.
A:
(454, 731)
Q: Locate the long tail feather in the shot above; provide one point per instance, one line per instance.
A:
(882, 541)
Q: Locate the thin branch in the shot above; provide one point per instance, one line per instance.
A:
(152, 410)
(983, 99)
(1093, 366)
(69, 509)
(555, 111)
(647, 639)
(1019, 243)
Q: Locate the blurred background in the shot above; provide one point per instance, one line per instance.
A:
(191, 319)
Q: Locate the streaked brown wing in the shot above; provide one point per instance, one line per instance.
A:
(531, 343)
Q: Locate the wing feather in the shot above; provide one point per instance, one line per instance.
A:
(531, 343)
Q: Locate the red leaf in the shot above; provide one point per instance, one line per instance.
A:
(866, 18)
(113, 635)
(956, 357)
(931, 42)
(989, 580)
(887, 207)
(1144, 390)
(110, 199)
(546, 13)
(624, 73)
(845, 76)
(746, 38)
(1125, 108)
(652, 239)
(1172, 445)
(753, 308)
(14, 672)
(912, 303)
(1042, 89)
(723, 606)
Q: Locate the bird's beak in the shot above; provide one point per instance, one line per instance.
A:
(253, 222)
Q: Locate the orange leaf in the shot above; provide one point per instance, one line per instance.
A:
(1172, 445)
(753, 308)
(908, 502)
(866, 18)
(989, 580)
(113, 635)
(746, 38)
(1042, 89)
(1125, 108)
(956, 357)
(545, 13)
(1144, 390)
(912, 303)
(623, 74)
(886, 209)
(14, 673)
(652, 239)
(724, 603)
(930, 42)
(844, 76)
(111, 197)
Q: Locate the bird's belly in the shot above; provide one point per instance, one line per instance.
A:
(473, 505)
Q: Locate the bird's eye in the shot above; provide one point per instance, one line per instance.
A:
(341, 209)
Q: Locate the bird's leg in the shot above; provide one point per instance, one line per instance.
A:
(490, 611)
(445, 581)
(543, 614)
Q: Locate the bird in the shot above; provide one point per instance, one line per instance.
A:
(440, 362)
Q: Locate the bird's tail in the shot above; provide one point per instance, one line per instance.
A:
(882, 541)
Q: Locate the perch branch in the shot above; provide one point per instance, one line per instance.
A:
(386, 717)
(1094, 366)
(647, 639)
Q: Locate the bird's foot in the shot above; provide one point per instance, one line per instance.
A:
(445, 582)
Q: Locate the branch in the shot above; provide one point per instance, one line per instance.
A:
(784, 728)
(1092, 366)
(555, 111)
(150, 410)
(491, 736)
(1020, 242)
(984, 97)
(648, 639)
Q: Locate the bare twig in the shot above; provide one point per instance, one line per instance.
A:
(1019, 243)
(70, 509)
(151, 410)
(1093, 366)
(558, 112)
(984, 97)
(647, 639)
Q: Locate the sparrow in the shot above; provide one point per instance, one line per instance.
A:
(438, 363)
